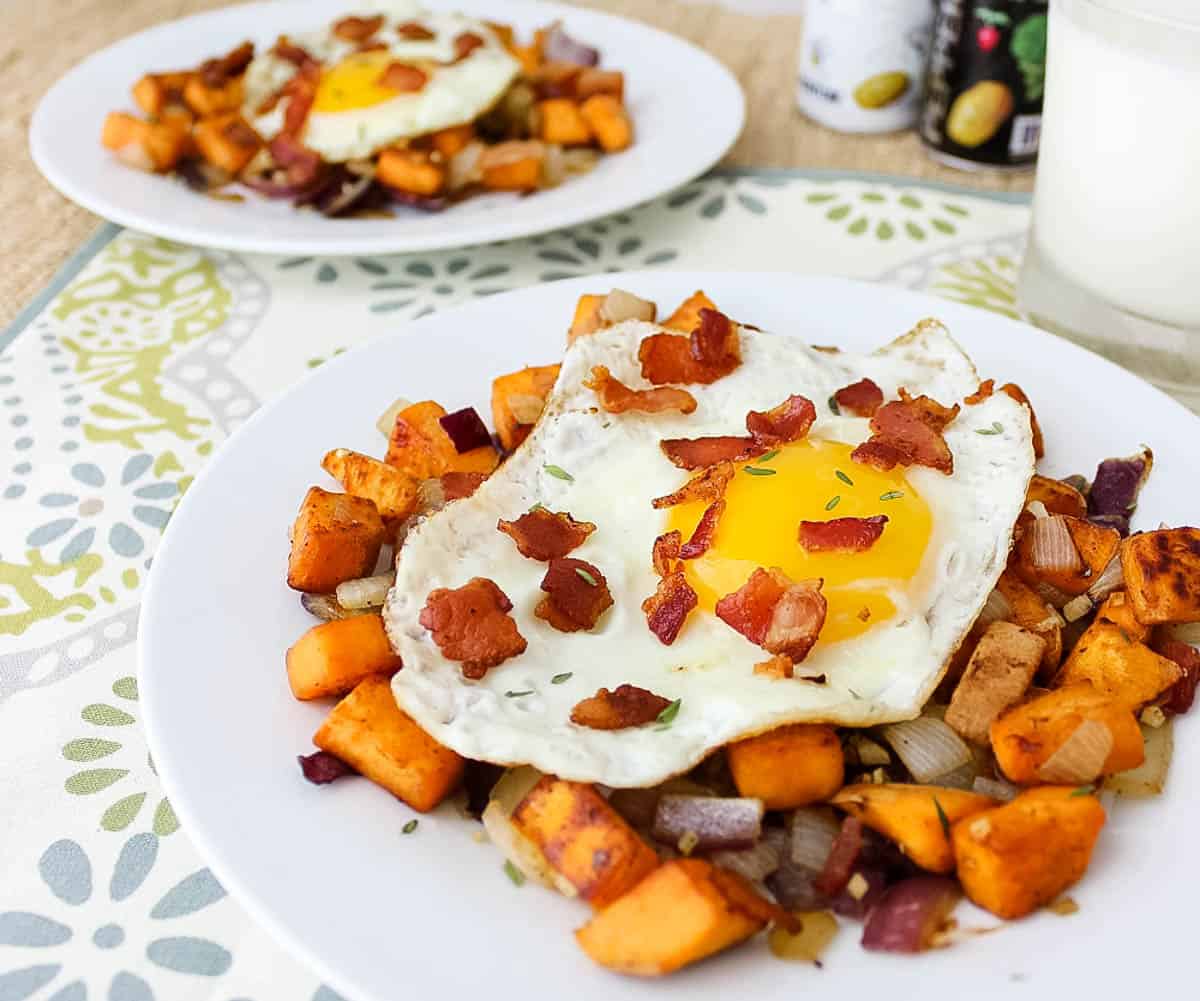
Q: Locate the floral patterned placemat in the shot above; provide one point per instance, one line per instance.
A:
(115, 387)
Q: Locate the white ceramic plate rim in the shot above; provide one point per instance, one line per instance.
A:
(698, 111)
(1146, 928)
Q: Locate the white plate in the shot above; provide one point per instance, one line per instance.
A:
(431, 914)
(687, 110)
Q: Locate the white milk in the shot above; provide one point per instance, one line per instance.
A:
(1117, 209)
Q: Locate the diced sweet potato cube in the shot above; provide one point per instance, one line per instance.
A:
(1031, 611)
(336, 537)
(1000, 671)
(410, 170)
(788, 767)
(420, 447)
(370, 732)
(1025, 736)
(226, 141)
(1017, 857)
(1128, 672)
(1096, 544)
(605, 116)
(1118, 610)
(449, 141)
(333, 657)
(677, 915)
(146, 145)
(517, 402)
(155, 91)
(560, 121)
(588, 316)
(529, 56)
(584, 838)
(910, 816)
(686, 317)
(596, 81)
(206, 100)
(1162, 575)
(512, 166)
(393, 491)
(1057, 496)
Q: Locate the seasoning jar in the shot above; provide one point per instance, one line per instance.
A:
(862, 63)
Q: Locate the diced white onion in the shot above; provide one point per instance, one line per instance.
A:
(928, 747)
(387, 420)
(554, 168)
(620, 305)
(1153, 716)
(996, 788)
(996, 609)
(813, 831)
(580, 161)
(1111, 578)
(365, 592)
(463, 168)
(1051, 547)
(1150, 777)
(324, 606)
(1077, 608)
(1037, 509)
(754, 864)
(431, 496)
(962, 777)
(869, 753)
(1081, 756)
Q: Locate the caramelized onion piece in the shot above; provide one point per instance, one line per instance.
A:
(715, 822)
(1051, 548)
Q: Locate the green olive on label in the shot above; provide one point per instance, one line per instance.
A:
(978, 112)
(882, 89)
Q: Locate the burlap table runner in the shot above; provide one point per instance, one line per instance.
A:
(42, 40)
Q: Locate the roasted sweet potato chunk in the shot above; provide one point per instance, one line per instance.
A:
(1118, 611)
(1162, 575)
(1000, 671)
(452, 140)
(1095, 545)
(336, 537)
(788, 767)
(686, 317)
(226, 141)
(392, 490)
(916, 817)
(684, 911)
(584, 839)
(420, 447)
(588, 316)
(1031, 611)
(212, 98)
(154, 146)
(1057, 497)
(518, 400)
(333, 657)
(368, 731)
(411, 171)
(560, 121)
(155, 91)
(606, 117)
(1128, 672)
(1017, 857)
(512, 166)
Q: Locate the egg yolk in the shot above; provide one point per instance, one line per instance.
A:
(812, 481)
(353, 83)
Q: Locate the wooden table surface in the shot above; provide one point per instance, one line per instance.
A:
(43, 39)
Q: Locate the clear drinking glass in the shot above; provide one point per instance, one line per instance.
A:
(1114, 255)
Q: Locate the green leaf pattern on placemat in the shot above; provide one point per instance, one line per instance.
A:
(986, 282)
(889, 213)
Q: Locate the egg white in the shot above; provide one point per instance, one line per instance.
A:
(885, 674)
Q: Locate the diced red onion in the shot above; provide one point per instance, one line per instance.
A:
(463, 167)
(559, 47)
(867, 884)
(843, 857)
(1182, 694)
(466, 429)
(1116, 487)
(423, 203)
(1080, 758)
(812, 834)
(321, 767)
(715, 821)
(795, 888)
(755, 863)
(1051, 547)
(928, 747)
(1111, 578)
(910, 914)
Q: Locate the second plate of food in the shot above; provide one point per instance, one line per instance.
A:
(382, 127)
(656, 575)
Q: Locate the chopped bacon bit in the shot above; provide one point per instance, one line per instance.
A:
(1179, 696)
(748, 610)
(714, 343)
(777, 666)
(666, 551)
(789, 421)
(217, 72)
(1018, 394)
(379, 45)
(289, 51)
(711, 351)
(302, 165)
(414, 32)
(773, 612)
(702, 537)
(456, 486)
(860, 398)
(617, 398)
(708, 484)
(546, 535)
(403, 78)
(465, 44)
(619, 709)
(908, 432)
(842, 858)
(301, 91)
(841, 535)
(669, 606)
(984, 392)
(357, 29)
(696, 453)
(576, 595)
(471, 624)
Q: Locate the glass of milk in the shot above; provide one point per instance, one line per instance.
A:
(1114, 256)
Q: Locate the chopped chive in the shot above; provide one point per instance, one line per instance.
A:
(558, 472)
(409, 827)
(942, 818)
(587, 576)
(755, 471)
(1083, 791)
(892, 495)
(996, 428)
(833, 405)
(558, 679)
(768, 457)
(844, 478)
(513, 873)
(518, 695)
(854, 693)
(667, 716)
(833, 502)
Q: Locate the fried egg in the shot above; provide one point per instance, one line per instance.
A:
(353, 114)
(896, 613)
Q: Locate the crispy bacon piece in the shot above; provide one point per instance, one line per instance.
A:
(471, 624)
(773, 612)
(711, 351)
(666, 551)
(288, 50)
(414, 32)
(457, 485)
(217, 72)
(617, 398)
(860, 398)
(777, 666)
(708, 484)
(669, 606)
(546, 535)
(357, 29)
(702, 537)
(465, 44)
(748, 610)
(576, 595)
(908, 432)
(623, 707)
(842, 859)
(301, 91)
(403, 78)
(696, 453)
(1180, 696)
(841, 535)
(985, 390)
(789, 421)
(1018, 394)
